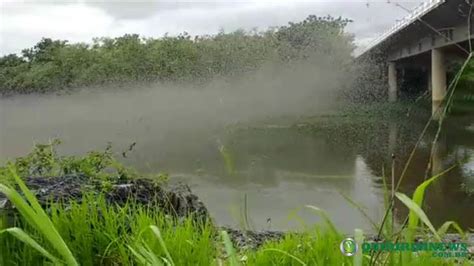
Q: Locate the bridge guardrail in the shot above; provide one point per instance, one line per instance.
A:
(417, 12)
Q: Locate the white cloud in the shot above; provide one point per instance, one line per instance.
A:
(23, 24)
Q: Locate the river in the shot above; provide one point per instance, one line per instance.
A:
(256, 163)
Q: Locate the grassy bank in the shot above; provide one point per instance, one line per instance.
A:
(98, 234)
(122, 236)
(93, 232)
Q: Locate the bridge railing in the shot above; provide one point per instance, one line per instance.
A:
(417, 12)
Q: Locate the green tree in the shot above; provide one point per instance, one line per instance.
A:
(53, 65)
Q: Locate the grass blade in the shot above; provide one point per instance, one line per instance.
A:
(444, 228)
(151, 258)
(325, 216)
(419, 195)
(420, 214)
(228, 160)
(35, 216)
(23, 208)
(287, 254)
(25, 238)
(359, 239)
(157, 233)
(139, 257)
(229, 248)
(361, 210)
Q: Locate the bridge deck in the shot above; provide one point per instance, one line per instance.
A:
(420, 11)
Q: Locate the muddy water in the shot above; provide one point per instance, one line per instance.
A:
(254, 167)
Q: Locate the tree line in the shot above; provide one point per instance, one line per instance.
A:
(53, 65)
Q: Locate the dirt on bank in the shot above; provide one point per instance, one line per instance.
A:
(176, 200)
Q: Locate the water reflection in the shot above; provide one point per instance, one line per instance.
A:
(449, 197)
(279, 166)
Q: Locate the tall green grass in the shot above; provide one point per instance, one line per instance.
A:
(94, 232)
(34, 214)
(97, 233)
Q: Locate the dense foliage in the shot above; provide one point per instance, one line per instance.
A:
(463, 98)
(44, 160)
(52, 65)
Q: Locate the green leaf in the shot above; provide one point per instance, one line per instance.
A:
(23, 208)
(415, 210)
(150, 256)
(418, 196)
(228, 160)
(157, 233)
(361, 210)
(229, 249)
(325, 216)
(359, 239)
(139, 257)
(444, 228)
(287, 254)
(25, 238)
(36, 217)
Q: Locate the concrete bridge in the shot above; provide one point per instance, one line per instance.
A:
(432, 37)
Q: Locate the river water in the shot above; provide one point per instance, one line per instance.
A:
(257, 163)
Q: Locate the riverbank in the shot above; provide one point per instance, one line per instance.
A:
(106, 225)
(108, 214)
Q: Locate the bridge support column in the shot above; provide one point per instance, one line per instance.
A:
(429, 85)
(392, 82)
(438, 81)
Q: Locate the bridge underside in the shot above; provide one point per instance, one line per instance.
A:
(427, 71)
(426, 48)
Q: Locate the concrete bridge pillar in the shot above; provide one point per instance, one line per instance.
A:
(392, 82)
(438, 80)
(430, 80)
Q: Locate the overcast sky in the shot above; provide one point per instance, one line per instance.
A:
(24, 23)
